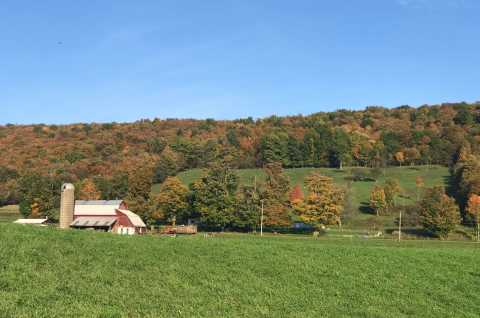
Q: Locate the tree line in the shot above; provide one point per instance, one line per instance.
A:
(216, 201)
(374, 137)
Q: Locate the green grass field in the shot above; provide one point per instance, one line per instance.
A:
(360, 191)
(47, 272)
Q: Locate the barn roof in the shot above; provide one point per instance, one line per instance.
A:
(98, 202)
(135, 219)
(84, 221)
(31, 221)
(97, 207)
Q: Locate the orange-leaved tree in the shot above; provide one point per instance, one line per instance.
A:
(378, 202)
(170, 203)
(88, 190)
(473, 210)
(323, 203)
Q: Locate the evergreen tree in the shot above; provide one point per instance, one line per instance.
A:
(341, 151)
(295, 153)
(274, 148)
(247, 213)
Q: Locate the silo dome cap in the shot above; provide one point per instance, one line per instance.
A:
(68, 186)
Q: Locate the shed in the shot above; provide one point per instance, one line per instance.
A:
(32, 221)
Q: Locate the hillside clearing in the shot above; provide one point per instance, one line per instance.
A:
(359, 191)
(52, 273)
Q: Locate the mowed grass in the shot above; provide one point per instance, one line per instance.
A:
(359, 191)
(47, 272)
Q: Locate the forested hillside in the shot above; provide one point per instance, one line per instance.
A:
(113, 160)
(372, 137)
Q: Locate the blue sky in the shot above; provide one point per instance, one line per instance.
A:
(112, 60)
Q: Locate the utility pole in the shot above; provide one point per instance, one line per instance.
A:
(400, 226)
(261, 221)
(478, 232)
(478, 229)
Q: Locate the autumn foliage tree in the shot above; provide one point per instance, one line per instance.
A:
(378, 202)
(296, 195)
(88, 190)
(392, 189)
(170, 203)
(323, 203)
(473, 212)
(438, 212)
(275, 196)
(419, 185)
(139, 189)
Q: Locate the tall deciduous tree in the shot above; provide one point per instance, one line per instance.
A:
(438, 212)
(419, 185)
(378, 202)
(323, 203)
(214, 196)
(170, 203)
(392, 190)
(139, 189)
(39, 196)
(89, 191)
(296, 194)
(275, 195)
(473, 210)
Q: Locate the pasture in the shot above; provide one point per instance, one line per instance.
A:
(47, 272)
(355, 215)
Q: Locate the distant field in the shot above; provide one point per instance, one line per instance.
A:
(53, 273)
(9, 213)
(360, 191)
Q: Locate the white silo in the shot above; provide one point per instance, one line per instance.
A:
(67, 204)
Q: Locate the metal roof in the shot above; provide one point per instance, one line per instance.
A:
(97, 207)
(31, 221)
(134, 218)
(98, 202)
(93, 222)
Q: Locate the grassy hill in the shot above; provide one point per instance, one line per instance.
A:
(359, 191)
(52, 273)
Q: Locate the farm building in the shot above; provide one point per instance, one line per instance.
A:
(109, 215)
(41, 222)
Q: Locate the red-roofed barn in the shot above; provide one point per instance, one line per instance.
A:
(107, 215)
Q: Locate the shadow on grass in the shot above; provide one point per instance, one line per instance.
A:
(412, 231)
(366, 209)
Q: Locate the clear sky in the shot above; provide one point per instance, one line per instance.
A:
(112, 60)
